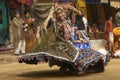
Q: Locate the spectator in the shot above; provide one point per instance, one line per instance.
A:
(95, 28)
(101, 27)
(19, 44)
(79, 41)
(108, 36)
(29, 34)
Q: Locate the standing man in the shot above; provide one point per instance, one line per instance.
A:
(108, 36)
(19, 44)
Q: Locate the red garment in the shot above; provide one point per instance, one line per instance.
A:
(108, 28)
(29, 2)
(13, 4)
(22, 1)
(94, 30)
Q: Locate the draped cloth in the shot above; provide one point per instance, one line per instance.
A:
(40, 12)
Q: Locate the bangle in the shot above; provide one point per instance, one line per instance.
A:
(73, 9)
(78, 41)
(81, 39)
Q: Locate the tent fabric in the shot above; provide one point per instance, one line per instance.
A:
(22, 1)
(40, 12)
(13, 4)
(28, 2)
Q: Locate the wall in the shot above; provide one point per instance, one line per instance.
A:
(3, 22)
(4, 14)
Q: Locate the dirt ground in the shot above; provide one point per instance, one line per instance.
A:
(16, 71)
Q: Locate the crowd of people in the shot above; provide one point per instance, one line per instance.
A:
(73, 22)
(23, 33)
(71, 25)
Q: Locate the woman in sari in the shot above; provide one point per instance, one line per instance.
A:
(63, 24)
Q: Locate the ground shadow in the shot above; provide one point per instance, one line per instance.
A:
(46, 74)
(53, 73)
